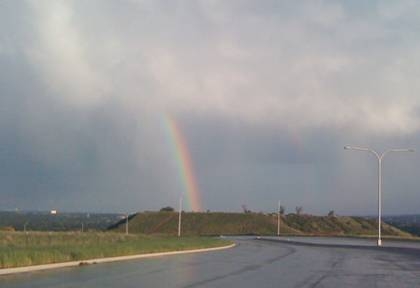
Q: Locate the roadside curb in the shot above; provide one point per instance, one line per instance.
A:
(26, 269)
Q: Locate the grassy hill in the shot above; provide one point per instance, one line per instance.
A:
(218, 223)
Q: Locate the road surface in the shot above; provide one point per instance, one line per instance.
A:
(253, 263)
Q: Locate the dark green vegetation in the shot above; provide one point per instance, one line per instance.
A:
(44, 221)
(253, 224)
(22, 249)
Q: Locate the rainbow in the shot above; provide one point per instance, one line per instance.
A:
(184, 162)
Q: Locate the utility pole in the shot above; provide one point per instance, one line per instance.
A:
(179, 216)
(126, 224)
(278, 220)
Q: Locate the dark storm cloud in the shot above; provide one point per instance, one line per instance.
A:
(257, 165)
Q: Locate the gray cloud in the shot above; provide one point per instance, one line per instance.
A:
(267, 95)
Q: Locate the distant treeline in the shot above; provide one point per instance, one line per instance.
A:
(44, 221)
(409, 223)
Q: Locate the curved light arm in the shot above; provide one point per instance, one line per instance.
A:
(396, 150)
(381, 156)
(364, 149)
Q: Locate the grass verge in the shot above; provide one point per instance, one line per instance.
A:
(19, 249)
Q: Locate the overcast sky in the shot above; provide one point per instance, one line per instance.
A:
(267, 93)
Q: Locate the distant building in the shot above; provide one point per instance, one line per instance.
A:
(53, 212)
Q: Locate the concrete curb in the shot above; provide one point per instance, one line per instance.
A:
(26, 269)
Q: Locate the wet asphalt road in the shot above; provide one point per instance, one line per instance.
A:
(253, 263)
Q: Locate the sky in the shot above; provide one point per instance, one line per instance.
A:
(266, 94)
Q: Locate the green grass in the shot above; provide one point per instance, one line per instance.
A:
(20, 249)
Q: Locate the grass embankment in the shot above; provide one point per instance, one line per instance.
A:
(340, 226)
(19, 249)
(217, 223)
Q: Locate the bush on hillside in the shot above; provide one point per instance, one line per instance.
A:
(167, 209)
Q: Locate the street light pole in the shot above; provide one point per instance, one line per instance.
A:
(380, 199)
(380, 158)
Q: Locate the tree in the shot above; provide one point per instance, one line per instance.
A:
(167, 209)
(245, 209)
(299, 210)
(282, 209)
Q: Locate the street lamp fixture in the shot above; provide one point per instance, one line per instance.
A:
(379, 157)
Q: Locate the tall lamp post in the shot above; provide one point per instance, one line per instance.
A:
(380, 158)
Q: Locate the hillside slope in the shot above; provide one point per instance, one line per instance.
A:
(219, 223)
